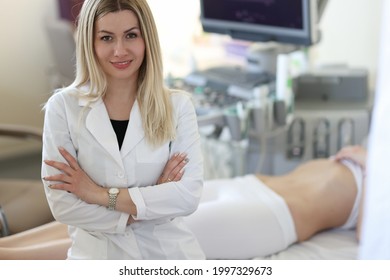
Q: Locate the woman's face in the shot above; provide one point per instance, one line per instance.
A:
(119, 46)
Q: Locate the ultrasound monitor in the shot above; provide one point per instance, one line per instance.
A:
(282, 21)
(288, 25)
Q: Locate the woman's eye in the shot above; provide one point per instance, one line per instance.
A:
(131, 35)
(106, 38)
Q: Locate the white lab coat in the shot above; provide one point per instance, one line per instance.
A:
(375, 233)
(98, 233)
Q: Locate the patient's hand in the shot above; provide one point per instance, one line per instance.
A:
(359, 155)
(356, 153)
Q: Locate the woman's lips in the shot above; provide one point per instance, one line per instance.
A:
(121, 64)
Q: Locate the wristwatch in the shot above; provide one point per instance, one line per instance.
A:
(112, 195)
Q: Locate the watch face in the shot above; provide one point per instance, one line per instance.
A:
(113, 191)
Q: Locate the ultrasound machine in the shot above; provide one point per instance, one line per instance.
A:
(276, 115)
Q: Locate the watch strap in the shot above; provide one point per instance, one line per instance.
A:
(112, 200)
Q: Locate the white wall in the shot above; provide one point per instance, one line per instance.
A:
(24, 61)
(176, 32)
(25, 58)
(350, 35)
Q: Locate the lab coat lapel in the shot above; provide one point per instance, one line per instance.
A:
(135, 132)
(99, 125)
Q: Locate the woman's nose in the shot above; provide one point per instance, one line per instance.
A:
(120, 49)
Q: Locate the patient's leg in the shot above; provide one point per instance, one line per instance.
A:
(50, 250)
(48, 232)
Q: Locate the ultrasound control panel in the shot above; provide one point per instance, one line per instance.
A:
(209, 103)
(219, 88)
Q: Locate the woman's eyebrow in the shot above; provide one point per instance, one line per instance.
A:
(126, 31)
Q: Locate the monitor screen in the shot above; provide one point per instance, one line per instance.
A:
(283, 21)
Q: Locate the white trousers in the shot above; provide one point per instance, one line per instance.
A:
(241, 218)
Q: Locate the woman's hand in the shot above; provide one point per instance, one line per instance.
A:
(174, 169)
(73, 179)
(356, 153)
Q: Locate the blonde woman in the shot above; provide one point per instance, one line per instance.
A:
(108, 136)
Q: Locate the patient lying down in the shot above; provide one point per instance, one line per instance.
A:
(245, 217)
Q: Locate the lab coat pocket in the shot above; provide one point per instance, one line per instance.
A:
(88, 246)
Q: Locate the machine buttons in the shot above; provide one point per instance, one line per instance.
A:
(296, 139)
(345, 133)
(321, 144)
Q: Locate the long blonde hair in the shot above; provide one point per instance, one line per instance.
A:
(152, 95)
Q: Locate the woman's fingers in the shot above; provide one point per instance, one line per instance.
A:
(60, 166)
(177, 173)
(59, 178)
(72, 178)
(63, 187)
(66, 168)
(69, 158)
(173, 167)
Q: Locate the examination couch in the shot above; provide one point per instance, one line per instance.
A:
(20, 199)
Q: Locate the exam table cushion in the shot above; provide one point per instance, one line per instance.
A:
(24, 204)
(334, 244)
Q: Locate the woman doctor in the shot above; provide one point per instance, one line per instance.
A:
(108, 136)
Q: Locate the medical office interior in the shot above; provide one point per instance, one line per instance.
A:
(263, 106)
